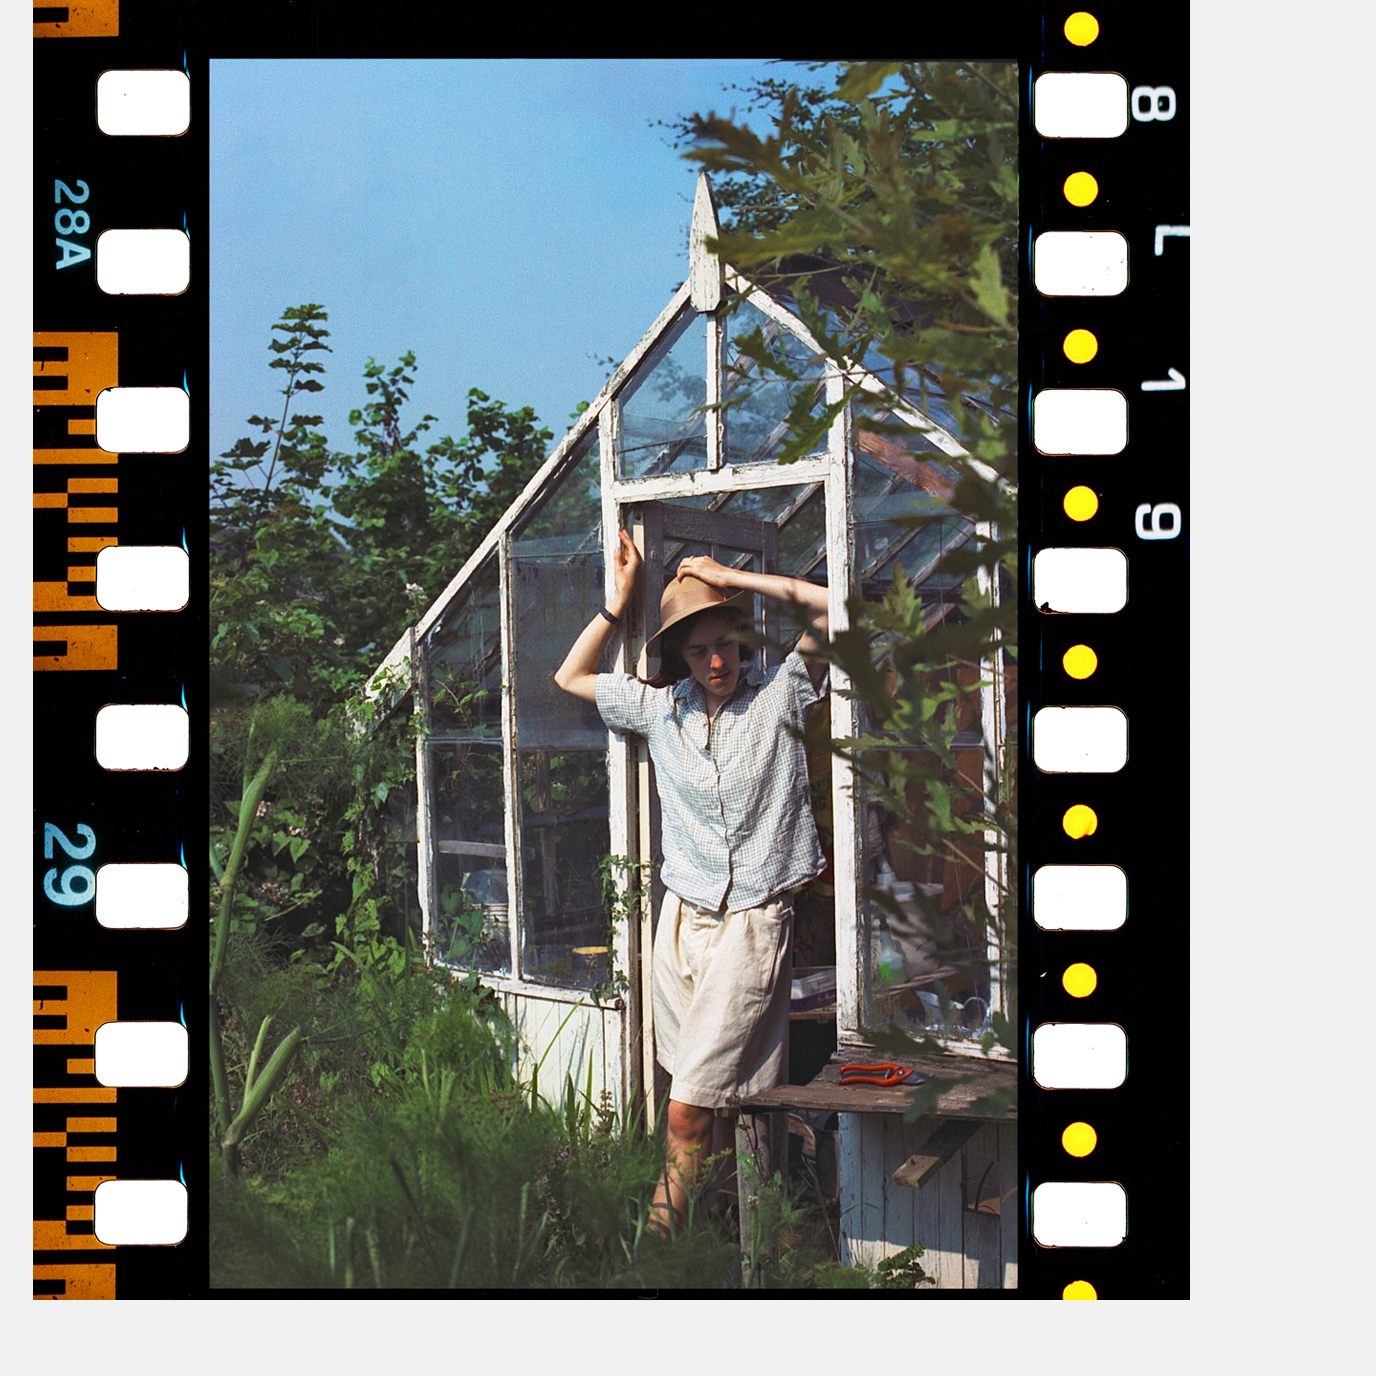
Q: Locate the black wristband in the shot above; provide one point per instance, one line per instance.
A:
(615, 620)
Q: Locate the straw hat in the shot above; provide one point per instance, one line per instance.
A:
(687, 595)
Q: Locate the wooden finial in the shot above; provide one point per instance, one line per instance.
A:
(704, 269)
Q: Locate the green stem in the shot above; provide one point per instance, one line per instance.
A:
(248, 810)
(217, 1070)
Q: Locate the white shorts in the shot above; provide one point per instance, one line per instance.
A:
(721, 996)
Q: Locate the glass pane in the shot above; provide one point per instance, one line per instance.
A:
(557, 589)
(663, 425)
(757, 425)
(464, 655)
(921, 888)
(570, 519)
(564, 842)
(467, 829)
(803, 537)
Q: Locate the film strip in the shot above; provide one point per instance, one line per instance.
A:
(117, 497)
(1104, 716)
(120, 307)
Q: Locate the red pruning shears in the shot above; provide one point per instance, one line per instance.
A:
(885, 1076)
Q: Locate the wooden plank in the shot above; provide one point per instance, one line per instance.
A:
(956, 1101)
(701, 481)
(940, 1147)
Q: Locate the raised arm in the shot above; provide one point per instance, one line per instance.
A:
(811, 597)
(578, 673)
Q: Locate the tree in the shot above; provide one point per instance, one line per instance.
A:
(885, 206)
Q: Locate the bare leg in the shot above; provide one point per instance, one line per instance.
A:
(690, 1141)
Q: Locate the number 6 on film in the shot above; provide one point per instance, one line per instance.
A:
(1161, 511)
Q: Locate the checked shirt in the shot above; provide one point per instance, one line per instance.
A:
(735, 814)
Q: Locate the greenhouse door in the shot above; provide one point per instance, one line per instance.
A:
(666, 533)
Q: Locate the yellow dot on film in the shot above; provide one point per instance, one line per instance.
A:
(1080, 346)
(1079, 821)
(1082, 28)
(1079, 1290)
(1079, 980)
(1080, 188)
(1079, 1139)
(1079, 661)
(1080, 503)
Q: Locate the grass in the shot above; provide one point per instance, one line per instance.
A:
(410, 1158)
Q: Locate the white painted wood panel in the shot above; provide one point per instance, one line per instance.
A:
(564, 1038)
(964, 1249)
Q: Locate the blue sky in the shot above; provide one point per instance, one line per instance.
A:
(507, 220)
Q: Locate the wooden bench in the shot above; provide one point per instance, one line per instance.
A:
(956, 1106)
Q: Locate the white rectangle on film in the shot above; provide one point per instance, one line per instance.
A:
(1080, 105)
(1073, 420)
(142, 736)
(1079, 1055)
(1086, 898)
(1080, 263)
(141, 1053)
(142, 578)
(1080, 580)
(143, 420)
(132, 895)
(1090, 740)
(1079, 1213)
(134, 103)
(147, 1213)
(143, 262)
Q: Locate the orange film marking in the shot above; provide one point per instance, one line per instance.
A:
(49, 1139)
(91, 1154)
(1082, 28)
(43, 500)
(74, 456)
(90, 366)
(92, 484)
(54, 597)
(93, 515)
(90, 1125)
(1080, 503)
(88, 647)
(90, 1000)
(80, 1184)
(81, 573)
(80, 1282)
(1079, 661)
(1080, 189)
(89, 544)
(78, 426)
(1080, 821)
(1080, 346)
(1079, 1139)
(1079, 1290)
(85, 19)
(81, 1213)
(73, 1095)
(51, 1235)
(1079, 980)
(76, 1066)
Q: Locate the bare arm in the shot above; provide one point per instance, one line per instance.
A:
(578, 673)
(809, 596)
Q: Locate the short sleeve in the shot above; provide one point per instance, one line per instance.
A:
(626, 704)
(805, 696)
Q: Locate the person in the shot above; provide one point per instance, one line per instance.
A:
(737, 831)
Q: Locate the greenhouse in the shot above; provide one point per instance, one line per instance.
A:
(538, 830)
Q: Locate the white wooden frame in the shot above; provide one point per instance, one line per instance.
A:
(833, 471)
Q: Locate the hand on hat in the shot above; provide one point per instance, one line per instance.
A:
(706, 570)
